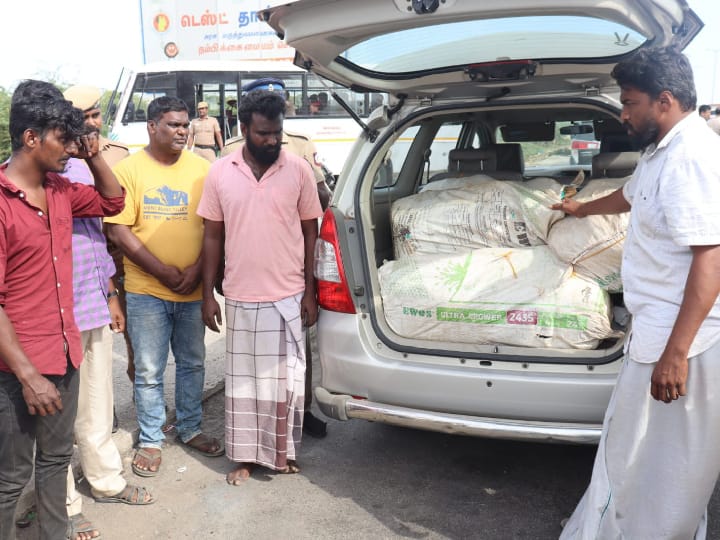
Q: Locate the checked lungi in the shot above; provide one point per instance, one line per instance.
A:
(264, 381)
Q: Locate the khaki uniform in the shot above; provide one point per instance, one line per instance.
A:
(202, 136)
(112, 151)
(295, 143)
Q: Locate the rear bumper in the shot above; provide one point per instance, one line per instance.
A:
(344, 407)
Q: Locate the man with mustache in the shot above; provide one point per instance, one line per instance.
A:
(40, 345)
(160, 236)
(302, 146)
(262, 202)
(658, 461)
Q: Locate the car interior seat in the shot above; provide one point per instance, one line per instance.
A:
(617, 157)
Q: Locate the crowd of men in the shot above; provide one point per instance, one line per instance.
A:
(61, 297)
(65, 212)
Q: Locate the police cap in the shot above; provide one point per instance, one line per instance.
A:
(266, 83)
(83, 97)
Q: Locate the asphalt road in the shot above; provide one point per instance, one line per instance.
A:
(363, 481)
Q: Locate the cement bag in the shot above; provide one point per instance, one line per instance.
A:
(459, 214)
(523, 297)
(593, 244)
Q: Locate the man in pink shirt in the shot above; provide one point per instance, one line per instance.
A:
(263, 201)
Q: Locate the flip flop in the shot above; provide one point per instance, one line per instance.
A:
(203, 444)
(133, 495)
(151, 458)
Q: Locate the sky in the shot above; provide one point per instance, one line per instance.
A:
(90, 41)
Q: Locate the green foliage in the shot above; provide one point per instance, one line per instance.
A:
(4, 124)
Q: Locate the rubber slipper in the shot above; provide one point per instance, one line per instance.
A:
(201, 443)
(152, 460)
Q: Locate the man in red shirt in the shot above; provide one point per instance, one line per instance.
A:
(40, 348)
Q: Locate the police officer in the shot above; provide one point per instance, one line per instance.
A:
(301, 146)
(296, 143)
(87, 99)
(204, 134)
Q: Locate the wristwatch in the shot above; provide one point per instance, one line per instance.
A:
(112, 293)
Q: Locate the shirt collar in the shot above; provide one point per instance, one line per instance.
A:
(670, 135)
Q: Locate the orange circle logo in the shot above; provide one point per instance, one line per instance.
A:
(171, 50)
(161, 22)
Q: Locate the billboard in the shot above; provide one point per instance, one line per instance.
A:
(208, 30)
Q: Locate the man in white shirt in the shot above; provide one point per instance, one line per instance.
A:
(658, 459)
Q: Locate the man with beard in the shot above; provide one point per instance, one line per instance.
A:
(264, 202)
(160, 236)
(301, 146)
(657, 462)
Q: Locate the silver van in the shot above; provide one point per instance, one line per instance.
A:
(480, 94)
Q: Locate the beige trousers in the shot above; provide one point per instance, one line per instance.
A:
(207, 153)
(99, 457)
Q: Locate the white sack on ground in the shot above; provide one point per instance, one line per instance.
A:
(522, 297)
(458, 214)
(593, 244)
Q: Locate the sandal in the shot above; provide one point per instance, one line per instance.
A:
(134, 495)
(152, 459)
(207, 446)
(79, 524)
(291, 468)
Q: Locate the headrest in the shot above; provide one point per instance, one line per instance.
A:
(472, 161)
(614, 164)
(616, 142)
(510, 157)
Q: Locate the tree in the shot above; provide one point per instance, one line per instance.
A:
(5, 97)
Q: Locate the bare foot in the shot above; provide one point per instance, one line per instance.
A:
(240, 474)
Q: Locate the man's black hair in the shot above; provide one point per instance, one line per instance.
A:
(165, 104)
(656, 70)
(40, 106)
(271, 105)
(704, 108)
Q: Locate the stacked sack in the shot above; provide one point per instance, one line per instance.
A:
(593, 244)
(473, 265)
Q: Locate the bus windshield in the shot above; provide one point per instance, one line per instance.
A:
(311, 110)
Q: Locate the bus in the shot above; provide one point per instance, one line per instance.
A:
(220, 83)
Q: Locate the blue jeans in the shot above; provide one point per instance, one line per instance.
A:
(52, 437)
(154, 326)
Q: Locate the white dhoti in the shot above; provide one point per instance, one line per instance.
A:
(657, 463)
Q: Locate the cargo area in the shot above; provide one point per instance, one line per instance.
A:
(469, 256)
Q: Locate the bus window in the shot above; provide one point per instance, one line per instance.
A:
(147, 87)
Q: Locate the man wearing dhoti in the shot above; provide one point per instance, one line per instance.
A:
(658, 459)
(262, 202)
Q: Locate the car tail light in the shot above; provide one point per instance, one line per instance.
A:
(584, 145)
(332, 288)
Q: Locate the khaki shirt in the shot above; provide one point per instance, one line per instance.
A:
(203, 130)
(300, 145)
(112, 151)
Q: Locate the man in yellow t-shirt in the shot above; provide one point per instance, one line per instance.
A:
(160, 236)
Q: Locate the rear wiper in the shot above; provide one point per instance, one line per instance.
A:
(371, 134)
